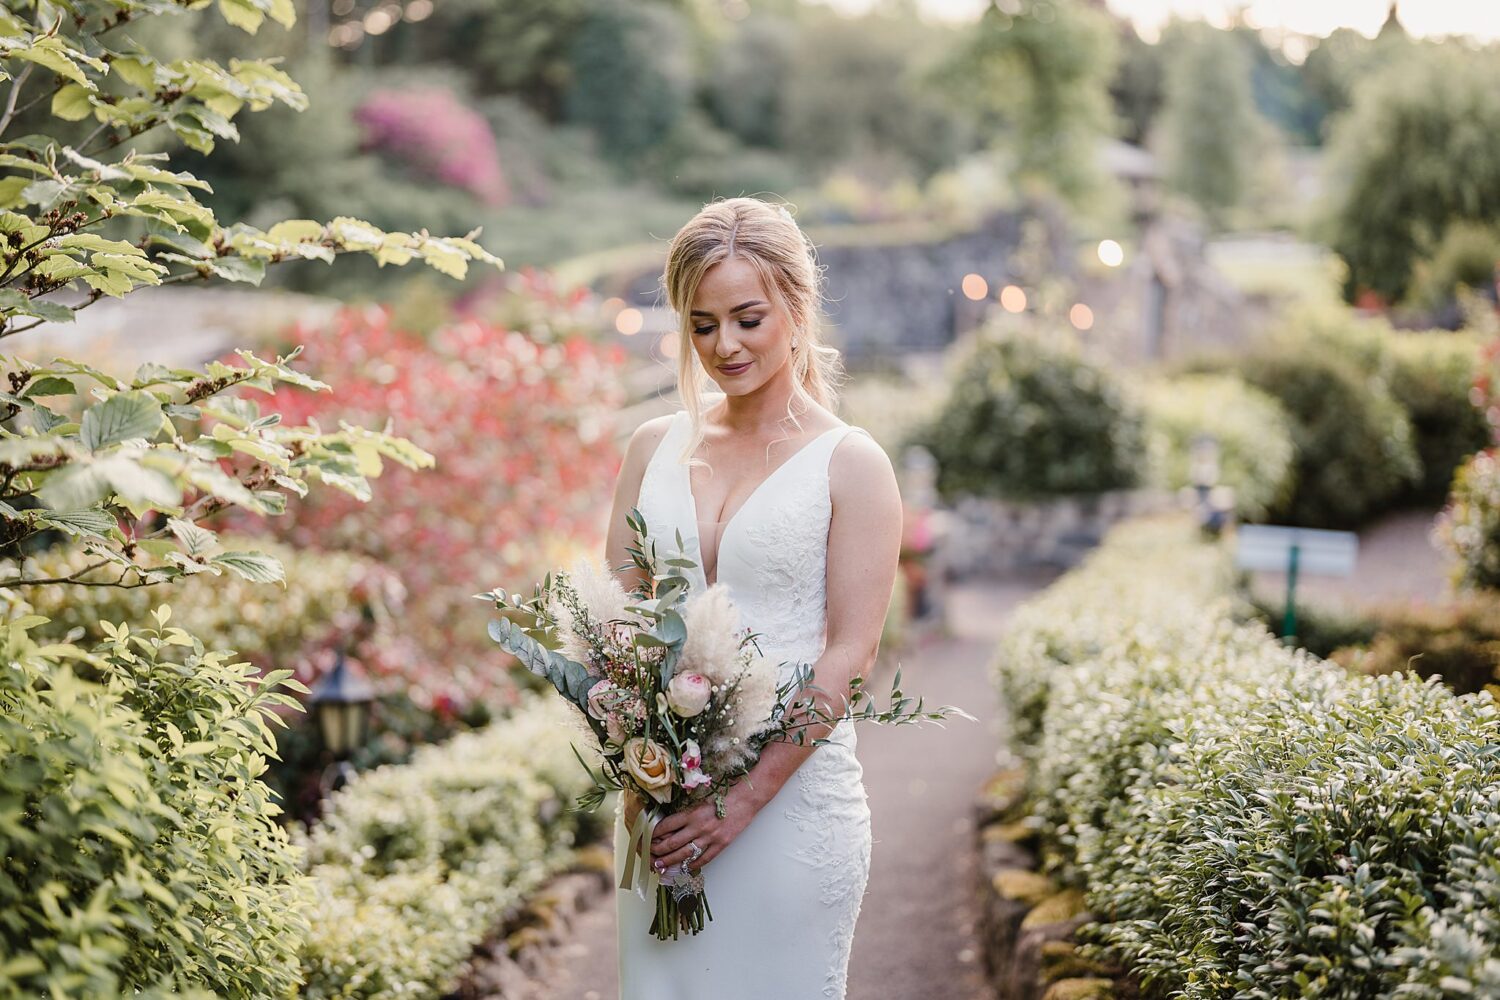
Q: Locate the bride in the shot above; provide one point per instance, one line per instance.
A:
(798, 514)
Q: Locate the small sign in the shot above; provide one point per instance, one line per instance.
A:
(1278, 548)
(1269, 547)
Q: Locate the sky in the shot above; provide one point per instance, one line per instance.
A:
(1480, 18)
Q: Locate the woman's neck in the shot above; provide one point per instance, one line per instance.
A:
(763, 411)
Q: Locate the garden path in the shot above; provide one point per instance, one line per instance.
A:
(916, 934)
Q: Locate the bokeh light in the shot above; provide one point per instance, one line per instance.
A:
(1081, 316)
(975, 287)
(1013, 298)
(629, 322)
(1111, 254)
(666, 344)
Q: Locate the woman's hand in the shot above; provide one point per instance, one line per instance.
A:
(700, 824)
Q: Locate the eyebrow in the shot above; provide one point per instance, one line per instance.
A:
(742, 305)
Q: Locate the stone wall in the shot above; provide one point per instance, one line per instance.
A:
(983, 537)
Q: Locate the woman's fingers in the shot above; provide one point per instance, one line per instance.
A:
(685, 853)
(662, 846)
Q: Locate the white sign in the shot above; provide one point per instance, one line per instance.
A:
(1269, 547)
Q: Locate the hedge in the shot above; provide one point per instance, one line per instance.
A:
(1248, 820)
(413, 865)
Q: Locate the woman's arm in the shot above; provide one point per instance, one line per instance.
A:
(864, 545)
(627, 491)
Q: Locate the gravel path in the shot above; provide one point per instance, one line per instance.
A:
(916, 934)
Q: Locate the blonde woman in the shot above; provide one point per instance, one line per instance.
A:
(799, 515)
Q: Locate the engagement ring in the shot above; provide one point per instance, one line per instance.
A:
(697, 852)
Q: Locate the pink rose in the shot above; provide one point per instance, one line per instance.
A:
(688, 694)
(599, 699)
(614, 726)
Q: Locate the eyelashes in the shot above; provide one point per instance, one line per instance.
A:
(747, 324)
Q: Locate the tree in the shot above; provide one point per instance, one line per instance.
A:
(165, 871)
(1209, 126)
(1418, 153)
(1035, 74)
(132, 454)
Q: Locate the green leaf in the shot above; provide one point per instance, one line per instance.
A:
(569, 678)
(196, 540)
(11, 189)
(124, 415)
(238, 269)
(91, 522)
(257, 567)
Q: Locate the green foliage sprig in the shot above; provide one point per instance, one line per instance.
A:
(141, 846)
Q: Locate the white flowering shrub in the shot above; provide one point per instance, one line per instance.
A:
(413, 865)
(1248, 820)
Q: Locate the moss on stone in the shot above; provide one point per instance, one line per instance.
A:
(1023, 885)
(1055, 909)
(1011, 833)
(1005, 789)
(1081, 989)
(1061, 960)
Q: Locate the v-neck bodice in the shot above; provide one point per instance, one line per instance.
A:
(772, 552)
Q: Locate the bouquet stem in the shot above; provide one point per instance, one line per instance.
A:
(690, 913)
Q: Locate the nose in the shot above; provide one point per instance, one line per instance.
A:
(727, 346)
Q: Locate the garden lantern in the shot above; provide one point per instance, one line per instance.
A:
(341, 700)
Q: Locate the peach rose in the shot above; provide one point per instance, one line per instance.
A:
(650, 765)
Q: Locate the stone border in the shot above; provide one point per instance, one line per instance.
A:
(1027, 921)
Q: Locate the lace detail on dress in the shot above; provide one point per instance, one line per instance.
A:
(834, 816)
(790, 540)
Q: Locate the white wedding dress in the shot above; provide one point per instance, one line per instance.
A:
(786, 892)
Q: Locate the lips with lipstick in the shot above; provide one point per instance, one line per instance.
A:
(734, 369)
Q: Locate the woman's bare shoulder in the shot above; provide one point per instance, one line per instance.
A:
(859, 463)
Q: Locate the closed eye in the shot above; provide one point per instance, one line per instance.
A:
(748, 324)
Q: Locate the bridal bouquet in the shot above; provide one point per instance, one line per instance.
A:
(678, 698)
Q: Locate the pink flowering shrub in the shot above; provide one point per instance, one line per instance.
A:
(524, 465)
(437, 135)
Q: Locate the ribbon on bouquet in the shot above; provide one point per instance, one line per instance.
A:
(638, 852)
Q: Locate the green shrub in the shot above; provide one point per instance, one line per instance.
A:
(1355, 454)
(413, 865)
(141, 847)
(1432, 378)
(323, 593)
(1253, 431)
(1248, 820)
(1464, 257)
(1458, 642)
(1030, 417)
(1469, 527)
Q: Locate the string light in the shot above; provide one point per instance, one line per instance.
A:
(975, 287)
(1013, 298)
(1081, 316)
(1111, 254)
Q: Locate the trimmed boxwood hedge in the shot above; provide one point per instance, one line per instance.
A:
(1248, 820)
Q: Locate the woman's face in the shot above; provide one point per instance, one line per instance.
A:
(742, 337)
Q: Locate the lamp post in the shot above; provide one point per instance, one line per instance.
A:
(341, 701)
(1203, 472)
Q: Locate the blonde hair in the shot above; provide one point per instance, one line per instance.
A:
(769, 239)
